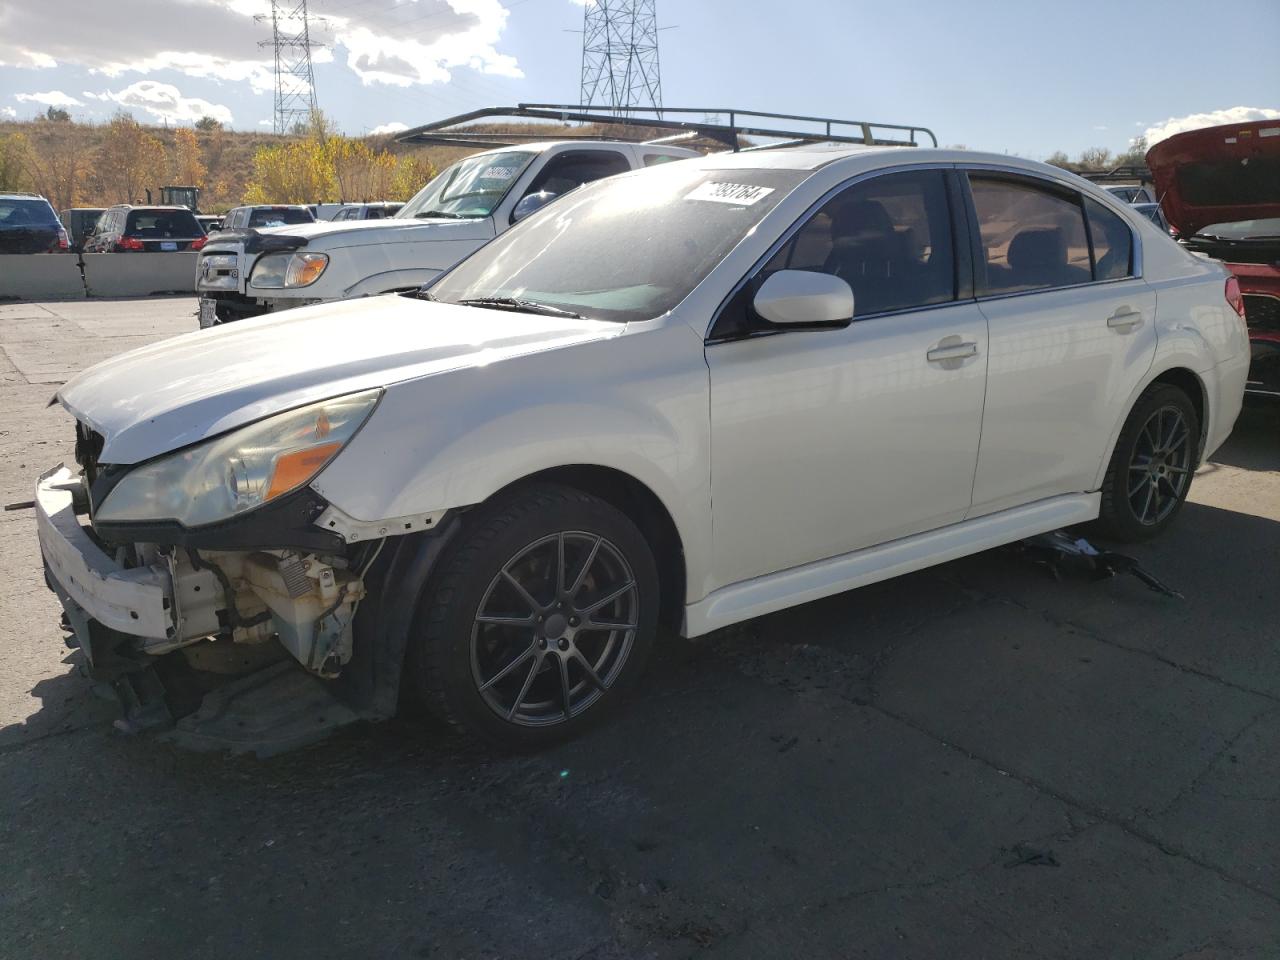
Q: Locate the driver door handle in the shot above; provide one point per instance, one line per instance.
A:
(952, 351)
(1125, 320)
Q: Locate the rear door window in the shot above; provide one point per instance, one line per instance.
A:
(576, 167)
(1032, 235)
(1112, 242)
(278, 217)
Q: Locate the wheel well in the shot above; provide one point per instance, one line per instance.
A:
(645, 510)
(1190, 384)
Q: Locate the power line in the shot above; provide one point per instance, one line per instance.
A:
(295, 81)
(620, 66)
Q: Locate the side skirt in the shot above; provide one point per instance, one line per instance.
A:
(813, 581)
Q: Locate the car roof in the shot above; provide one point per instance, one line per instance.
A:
(541, 146)
(148, 206)
(19, 195)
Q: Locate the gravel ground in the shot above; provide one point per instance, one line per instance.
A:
(970, 761)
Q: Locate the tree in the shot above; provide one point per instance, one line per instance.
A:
(185, 166)
(207, 124)
(129, 160)
(57, 115)
(297, 172)
(13, 163)
(413, 171)
(1136, 155)
(1059, 159)
(1096, 158)
(53, 166)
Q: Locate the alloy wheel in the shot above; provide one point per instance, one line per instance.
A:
(1160, 468)
(554, 628)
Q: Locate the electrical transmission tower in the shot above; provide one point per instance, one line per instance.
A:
(620, 55)
(295, 82)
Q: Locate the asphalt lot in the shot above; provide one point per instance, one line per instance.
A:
(972, 761)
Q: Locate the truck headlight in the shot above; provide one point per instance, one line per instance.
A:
(238, 471)
(278, 270)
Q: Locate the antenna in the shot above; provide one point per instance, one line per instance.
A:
(620, 55)
(295, 81)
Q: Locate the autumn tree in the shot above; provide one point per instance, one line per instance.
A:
(52, 164)
(130, 160)
(1136, 155)
(13, 157)
(207, 124)
(185, 165)
(360, 173)
(298, 172)
(57, 115)
(1096, 158)
(413, 171)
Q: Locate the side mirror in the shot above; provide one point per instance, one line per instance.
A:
(805, 298)
(531, 202)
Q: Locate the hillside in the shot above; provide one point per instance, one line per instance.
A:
(95, 165)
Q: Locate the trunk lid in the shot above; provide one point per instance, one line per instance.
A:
(1218, 175)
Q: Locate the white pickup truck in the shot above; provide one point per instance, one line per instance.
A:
(244, 273)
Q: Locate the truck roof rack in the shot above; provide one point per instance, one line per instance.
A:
(452, 131)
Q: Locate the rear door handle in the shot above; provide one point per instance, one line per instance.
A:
(952, 351)
(1125, 320)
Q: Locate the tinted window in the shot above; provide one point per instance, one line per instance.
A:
(27, 213)
(889, 237)
(279, 217)
(573, 169)
(162, 224)
(1112, 243)
(1032, 237)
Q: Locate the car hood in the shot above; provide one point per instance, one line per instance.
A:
(1218, 175)
(174, 393)
(380, 231)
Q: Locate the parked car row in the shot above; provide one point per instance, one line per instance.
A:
(613, 398)
(28, 224)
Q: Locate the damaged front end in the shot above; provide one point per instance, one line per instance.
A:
(166, 624)
(214, 590)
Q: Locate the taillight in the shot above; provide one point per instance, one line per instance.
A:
(198, 243)
(129, 243)
(1234, 299)
(63, 242)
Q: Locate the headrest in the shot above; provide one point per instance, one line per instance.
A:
(860, 220)
(1038, 247)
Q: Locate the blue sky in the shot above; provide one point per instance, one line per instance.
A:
(1025, 77)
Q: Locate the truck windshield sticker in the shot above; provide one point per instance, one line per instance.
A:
(739, 194)
(498, 173)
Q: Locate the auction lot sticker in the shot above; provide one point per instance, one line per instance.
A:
(739, 194)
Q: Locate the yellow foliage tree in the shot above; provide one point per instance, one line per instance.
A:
(185, 166)
(52, 166)
(411, 175)
(130, 160)
(298, 172)
(13, 163)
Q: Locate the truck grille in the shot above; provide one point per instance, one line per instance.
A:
(88, 450)
(1262, 312)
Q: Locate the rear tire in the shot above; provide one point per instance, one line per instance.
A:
(1151, 468)
(539, 619)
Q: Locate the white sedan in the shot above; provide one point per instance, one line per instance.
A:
(683, 397)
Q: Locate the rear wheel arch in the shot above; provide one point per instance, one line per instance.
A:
(1186, 380)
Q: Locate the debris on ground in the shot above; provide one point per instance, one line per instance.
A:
(1068, 555)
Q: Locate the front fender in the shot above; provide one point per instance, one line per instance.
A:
(636, 403)
(409, 278)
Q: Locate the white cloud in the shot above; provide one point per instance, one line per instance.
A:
(8, 112)
(395, 126)
(54, 98)
(164, 102)
(1214, 118)
(399, 42)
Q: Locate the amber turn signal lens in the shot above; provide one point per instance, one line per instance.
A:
(296, 468)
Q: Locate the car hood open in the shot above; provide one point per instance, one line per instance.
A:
(1218, 175)
(177, 392)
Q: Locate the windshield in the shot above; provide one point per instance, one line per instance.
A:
(1267, 228)
(625, 248)
(470, 188)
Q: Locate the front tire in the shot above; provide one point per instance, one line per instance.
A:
(539, 619)
(1150, 472)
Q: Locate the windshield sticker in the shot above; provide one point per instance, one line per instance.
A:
(498, 173)
(739, 194)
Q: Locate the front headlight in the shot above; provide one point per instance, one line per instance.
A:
(241, 470)
(278, 270)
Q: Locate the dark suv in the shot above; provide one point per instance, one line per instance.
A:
(125, 229)
(29, 225)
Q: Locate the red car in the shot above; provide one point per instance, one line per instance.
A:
(1220, 191)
